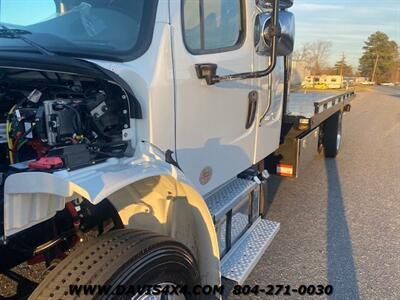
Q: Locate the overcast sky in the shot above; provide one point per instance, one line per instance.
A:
(346, 23)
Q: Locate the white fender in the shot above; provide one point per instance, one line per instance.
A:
(147, 192)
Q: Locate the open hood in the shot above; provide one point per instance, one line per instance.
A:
(63, 64)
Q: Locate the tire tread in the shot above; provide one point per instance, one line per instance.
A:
(99, 258)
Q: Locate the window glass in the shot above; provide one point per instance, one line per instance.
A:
(212, 24)
(26, 12)
(192, 24)
(82, 27)
(222, 22)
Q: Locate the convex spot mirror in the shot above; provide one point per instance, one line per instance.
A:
(285, 40)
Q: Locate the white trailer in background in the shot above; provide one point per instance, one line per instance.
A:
(324, 82)
(333, 81)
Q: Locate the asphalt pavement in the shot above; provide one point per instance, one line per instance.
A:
(340, 221)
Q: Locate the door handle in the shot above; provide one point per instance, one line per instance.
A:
(251, 115)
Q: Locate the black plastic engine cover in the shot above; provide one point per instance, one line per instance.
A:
(74, 156)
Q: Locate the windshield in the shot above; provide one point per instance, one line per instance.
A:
(120, 29)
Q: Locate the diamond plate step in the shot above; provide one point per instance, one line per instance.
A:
(224, 199)
(239, 222)
(246, 253)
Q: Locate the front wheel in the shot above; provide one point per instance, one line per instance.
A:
(332, 138)
(120, 261)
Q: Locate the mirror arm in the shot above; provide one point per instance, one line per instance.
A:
(208, 71)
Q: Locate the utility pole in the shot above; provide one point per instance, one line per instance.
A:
(398, 74)
(375, 67)
(342, 65)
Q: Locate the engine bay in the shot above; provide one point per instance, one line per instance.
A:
(51, 121)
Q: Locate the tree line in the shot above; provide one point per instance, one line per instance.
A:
(380, 61)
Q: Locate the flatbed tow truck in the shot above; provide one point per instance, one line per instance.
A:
(312, 124)
(158, 146)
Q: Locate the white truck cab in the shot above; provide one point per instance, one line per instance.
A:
(155, 124)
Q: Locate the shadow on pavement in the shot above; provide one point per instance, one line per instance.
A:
(271, 187)
(341, 267)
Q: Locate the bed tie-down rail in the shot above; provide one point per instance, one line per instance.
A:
(332, 101)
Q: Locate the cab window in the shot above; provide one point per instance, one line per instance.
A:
(213, 25)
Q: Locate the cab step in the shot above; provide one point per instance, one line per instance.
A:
(221, 201)
(238, 263)
(243, 236)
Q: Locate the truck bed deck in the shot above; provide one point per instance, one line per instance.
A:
(316, 106)
(302, 104)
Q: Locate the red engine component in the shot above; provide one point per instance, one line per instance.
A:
(46, 163)
(39, 147)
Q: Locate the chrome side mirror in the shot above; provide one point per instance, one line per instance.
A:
(208, 71)
(264, 31)
(267, 4)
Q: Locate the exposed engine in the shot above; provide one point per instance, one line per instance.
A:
(51, 121)
(57, 121)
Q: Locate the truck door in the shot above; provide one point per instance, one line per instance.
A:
(270, 108)
(212, 141)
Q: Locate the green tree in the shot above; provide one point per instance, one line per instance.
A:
(342, 68)
(379, 59)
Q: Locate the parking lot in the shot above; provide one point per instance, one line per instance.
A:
(340, 221)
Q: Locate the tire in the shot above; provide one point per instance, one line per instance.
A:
(332, 138)
(123, 257)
